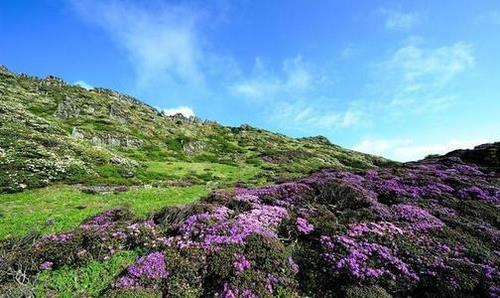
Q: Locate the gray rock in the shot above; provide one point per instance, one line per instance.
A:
(77, 134)
(67, 108)
(193, 147)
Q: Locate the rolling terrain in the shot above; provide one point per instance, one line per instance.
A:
(105, 196)
(54, 134)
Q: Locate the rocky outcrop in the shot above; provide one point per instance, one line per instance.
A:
(4, 70)
(192, 147)
(67, 108)
(316, 139)
(77, 134)
(180, 119)
(486, 155)
(53, 81)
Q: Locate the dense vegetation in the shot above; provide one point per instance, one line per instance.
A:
(427, 229)
(278, 217)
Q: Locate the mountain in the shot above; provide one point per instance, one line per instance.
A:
(51, 131)
(102, 195)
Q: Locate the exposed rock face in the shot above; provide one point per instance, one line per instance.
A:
(77, 134)
(181, 119)
(51, 80)
(316, 139)
(67, 108)
(125, 98)
(4, 69)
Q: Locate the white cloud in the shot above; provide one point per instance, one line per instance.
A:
(316, 116)
(296, 96)
(409, 150)
(160, 41)
(441, 64)
(185, 111)
(295, 78)
(397, 20)
(83, 84)
(417, 78)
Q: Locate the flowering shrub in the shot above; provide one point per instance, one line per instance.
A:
(303, 226)
(426, 228)
(419, 218)
(241, 263)
(146, 271)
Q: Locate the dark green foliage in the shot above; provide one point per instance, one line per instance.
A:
(366, 292)
(186, 273)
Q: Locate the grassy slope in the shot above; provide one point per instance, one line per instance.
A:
(51, 131)
(85, 281)
(66, 207)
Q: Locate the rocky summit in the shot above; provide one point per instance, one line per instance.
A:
(266, 215)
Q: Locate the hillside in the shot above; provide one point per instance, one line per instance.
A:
(420, 229)
(102, 195)
(51, 131)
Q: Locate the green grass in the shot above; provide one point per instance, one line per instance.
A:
(67, 207)
(202, 170)
(86, 281)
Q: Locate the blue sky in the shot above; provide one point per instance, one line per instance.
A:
(401, 79)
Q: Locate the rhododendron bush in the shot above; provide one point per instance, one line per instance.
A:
(428, 228)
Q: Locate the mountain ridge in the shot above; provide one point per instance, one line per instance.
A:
(100, 136)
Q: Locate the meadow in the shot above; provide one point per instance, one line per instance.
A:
(60, 207)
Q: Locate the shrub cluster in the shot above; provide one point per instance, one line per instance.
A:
(422, 229)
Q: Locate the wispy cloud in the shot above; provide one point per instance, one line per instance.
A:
(186, 111)
(405, 149)
(263, 84)
(415, 77)
(296, 95)
(398, 20)
(316, 116)
(160, 40)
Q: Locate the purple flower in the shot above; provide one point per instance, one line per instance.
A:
(419, 218)
(61, 237)
(210, 230)
(303, 226)
(478, 193)
(46, 265)
(127, 282)
(241, 263)
(494, 292)
(151, 266)
(382, 228)
(228, 292)
(147, 269)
